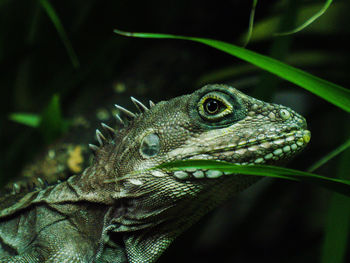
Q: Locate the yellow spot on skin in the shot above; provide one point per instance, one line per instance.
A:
(75, 160)
(307, 137)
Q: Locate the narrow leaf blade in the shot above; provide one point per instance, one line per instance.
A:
(52, 123)
(31, 120)
(338, 220)
(309, 21)
(330, 155)
(251, 23)
(337, 185)
(330, 92)
(60, 29)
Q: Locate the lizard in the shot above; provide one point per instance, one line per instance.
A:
(122, 208)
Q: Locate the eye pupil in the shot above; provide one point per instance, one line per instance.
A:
(212, 106)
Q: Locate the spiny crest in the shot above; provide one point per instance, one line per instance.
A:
(142, 108)
(24, 185)
(123, 114)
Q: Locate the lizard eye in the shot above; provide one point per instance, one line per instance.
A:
(150, 145)
(214, 106)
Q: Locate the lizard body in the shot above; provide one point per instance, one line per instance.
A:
(118, 210)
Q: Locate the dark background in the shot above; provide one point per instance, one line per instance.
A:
(274, 221)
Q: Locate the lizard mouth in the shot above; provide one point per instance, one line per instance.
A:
(270, 150)
(267, 149)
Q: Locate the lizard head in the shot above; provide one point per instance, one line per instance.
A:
(217, 122)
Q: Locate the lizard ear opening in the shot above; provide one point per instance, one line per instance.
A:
(150, 145)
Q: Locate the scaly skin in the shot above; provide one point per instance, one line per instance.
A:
(115, 213)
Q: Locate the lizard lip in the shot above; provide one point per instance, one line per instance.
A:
(282, 147)
(266, 150)
(299, 136)
(293, 142)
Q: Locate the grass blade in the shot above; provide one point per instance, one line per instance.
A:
(337, 185)
(338, 220)
(62, 33)
(251, 23)
(329, 156)
(330, 92)
(279, 49)
(52, 124)
(309, 21)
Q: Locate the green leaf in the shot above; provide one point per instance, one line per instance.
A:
(309, 21)
(337, 230)
(31, 120)
(62, 33)
(279, 50)
(330, 92)
(251, 23)
(337, 185)
(338, 220)
(52, 124)
(330, 155)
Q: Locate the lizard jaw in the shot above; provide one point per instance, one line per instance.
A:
(260, 152)
(269, 150)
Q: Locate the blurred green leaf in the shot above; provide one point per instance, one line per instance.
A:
(337, 185)
(52, 124)
(330, 156)
(309, 21)
(265, 28)
(331, 92)
(251, 23)
(338, 220)
(62, 33)
(32, 120)
(279, 50)
(300, 59)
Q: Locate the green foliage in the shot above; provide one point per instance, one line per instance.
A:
(338, 220)
(309, 21)
(330, 156)
(331, 92)
(31, 120)
(251, 23)
(60, 29)
(50, 122)
(337, 185)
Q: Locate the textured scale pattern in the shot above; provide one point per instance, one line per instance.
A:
(124, 209)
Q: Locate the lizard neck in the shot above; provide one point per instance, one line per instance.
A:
(93, 185)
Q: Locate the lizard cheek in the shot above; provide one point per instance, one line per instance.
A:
(150, 145)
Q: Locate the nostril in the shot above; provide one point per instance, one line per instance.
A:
(284, 114)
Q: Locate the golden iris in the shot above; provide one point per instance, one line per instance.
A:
(214, 107)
